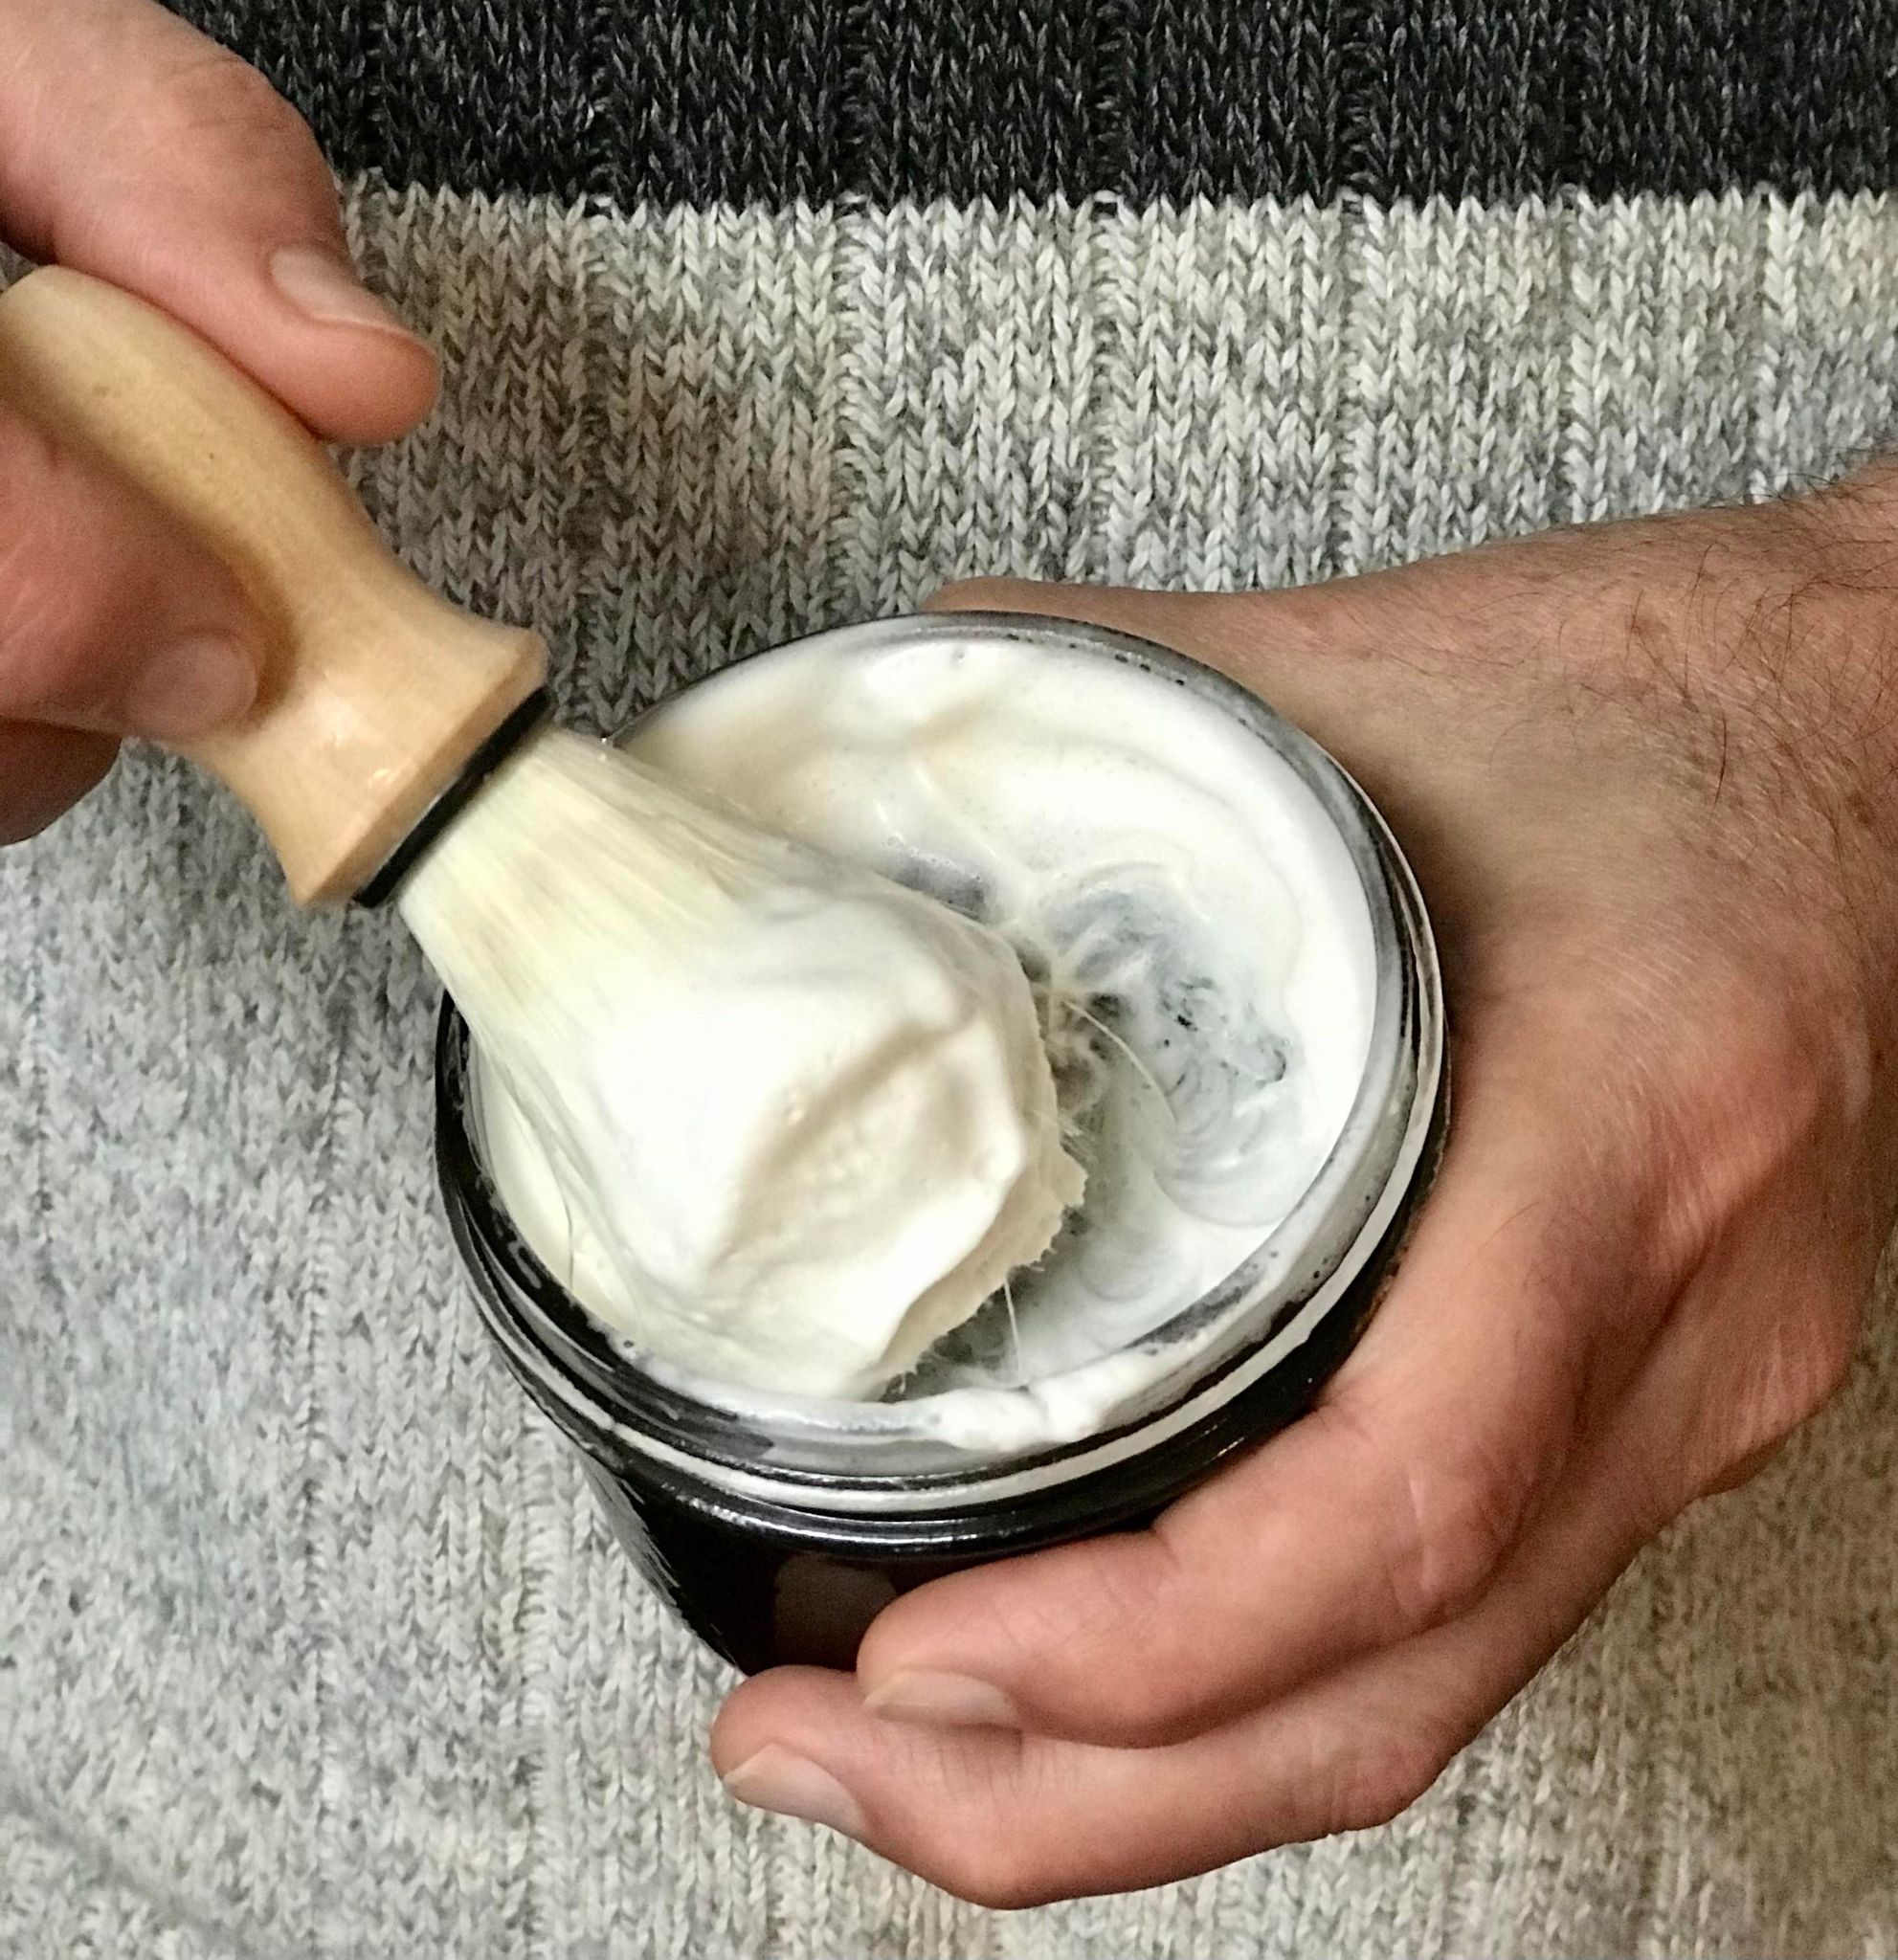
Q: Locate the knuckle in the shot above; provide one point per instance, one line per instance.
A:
(1107, 1597)
(1837, 1348)
(1010, 1844)
(1454, 1524)
(1118, 1651)
(214, 102)
(1145, 1705)
(1814, 1363)
(1109, 1646)
(1777, 1078)
(1378, 1775)
(1792, 1374)
(996, 1875)
(1136, 1596)
(214, 90)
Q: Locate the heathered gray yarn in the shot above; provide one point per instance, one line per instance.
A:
(310, 1642)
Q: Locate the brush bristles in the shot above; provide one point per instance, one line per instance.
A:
(788, 1122)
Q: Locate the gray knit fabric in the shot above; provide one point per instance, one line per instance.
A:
(310, 1641)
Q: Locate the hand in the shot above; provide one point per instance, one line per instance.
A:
(133, 148)
(1646, 773)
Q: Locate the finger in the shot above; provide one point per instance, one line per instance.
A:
(43, 772)
(112, 619)
(134, 149)
(1010, 1820)
(1384, 1512)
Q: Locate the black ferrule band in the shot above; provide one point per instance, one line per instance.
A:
(446, 807)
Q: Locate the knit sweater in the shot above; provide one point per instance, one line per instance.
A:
(756, 320)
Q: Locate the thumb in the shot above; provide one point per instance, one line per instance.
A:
(134, 149)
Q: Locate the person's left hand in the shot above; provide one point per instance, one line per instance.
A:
(1646, 773)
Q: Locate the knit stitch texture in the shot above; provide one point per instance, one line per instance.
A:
(311, 1643)
(775, 101)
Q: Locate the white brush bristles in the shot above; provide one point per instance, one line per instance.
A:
(782, 1121)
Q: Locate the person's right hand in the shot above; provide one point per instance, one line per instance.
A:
(133, 148)
(1647, 773)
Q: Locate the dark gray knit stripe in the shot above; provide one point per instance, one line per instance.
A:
(774, 101)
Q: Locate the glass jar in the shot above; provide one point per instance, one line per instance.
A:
(779, 1527)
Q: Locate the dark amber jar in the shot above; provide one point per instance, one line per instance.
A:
(778, 1529)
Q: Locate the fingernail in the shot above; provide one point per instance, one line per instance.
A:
(777, 1779)
(325, 288)
(190, 688)
(957, 1700)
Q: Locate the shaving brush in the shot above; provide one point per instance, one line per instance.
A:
(802, 1114)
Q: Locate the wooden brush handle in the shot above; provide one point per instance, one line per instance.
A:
(375, 692)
